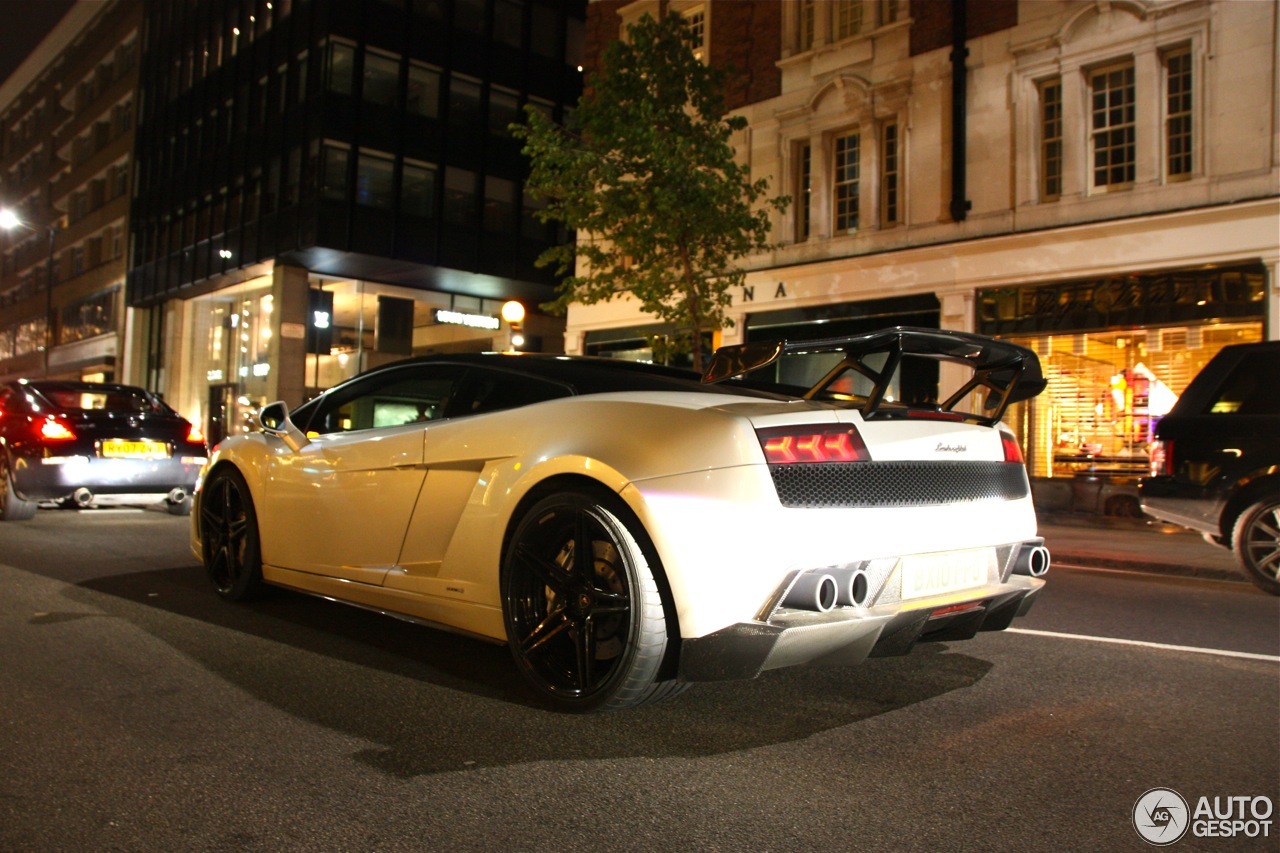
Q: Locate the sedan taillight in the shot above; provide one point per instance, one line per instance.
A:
(53, 428)
(194, 434)
(791, 445)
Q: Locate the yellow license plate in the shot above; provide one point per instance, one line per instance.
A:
(121, 448)
(949, 571)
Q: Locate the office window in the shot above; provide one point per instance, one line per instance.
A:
(423, 96)
(1178, 143)
(418, 190)
(1114, 139)
(504, 109)
(1051, 139)
(846, 173)
(342, 63)
(334, 171)
(374, 174)
(381, 79)
(499, 206)
(460, 197)
(804, 190)
(848, 18)
(469, 15)
(508, 22)
(464, 103)
(890, 175)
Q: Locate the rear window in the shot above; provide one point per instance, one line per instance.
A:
(1251, 389)
(114, 400)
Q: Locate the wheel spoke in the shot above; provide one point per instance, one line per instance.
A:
(554, 624)
(586, 650)
(610, 603)
(547, 571)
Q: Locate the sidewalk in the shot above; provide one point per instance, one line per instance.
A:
(1134, 544)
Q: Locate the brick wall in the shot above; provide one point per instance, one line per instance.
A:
(745, 36)
(931, 21)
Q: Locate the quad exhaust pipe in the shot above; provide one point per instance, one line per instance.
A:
(1033, 559)
(825, 590)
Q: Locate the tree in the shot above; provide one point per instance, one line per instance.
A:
(644, 172)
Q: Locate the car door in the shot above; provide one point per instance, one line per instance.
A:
(456, 460)
(340, 505)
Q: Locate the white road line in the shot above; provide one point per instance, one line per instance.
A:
(1165, 646)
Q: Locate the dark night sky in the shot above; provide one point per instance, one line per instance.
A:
(23, 23)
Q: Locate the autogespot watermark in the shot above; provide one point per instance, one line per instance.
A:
(1162, 817)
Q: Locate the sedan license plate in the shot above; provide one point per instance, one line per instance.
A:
(122, 448)
(948, 571)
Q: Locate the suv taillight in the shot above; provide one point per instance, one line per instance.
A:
(1161, 458)
(791, 445)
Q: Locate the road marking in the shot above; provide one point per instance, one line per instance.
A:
(1164, 646)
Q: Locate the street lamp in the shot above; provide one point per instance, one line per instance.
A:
(9, 221)
(513, 313)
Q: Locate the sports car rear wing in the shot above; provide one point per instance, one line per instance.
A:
(1003, 373)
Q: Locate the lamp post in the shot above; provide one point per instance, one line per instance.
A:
(9, 221)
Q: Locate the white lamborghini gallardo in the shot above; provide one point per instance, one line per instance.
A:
(628, 529)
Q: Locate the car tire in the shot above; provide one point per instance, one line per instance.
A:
(12, 507)
(1256, 542)
(585, 636)
(229, 536)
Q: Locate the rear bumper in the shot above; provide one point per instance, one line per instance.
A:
(52, 478)
(1192, 507)
(847, 636)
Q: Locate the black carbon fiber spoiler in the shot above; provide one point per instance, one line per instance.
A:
(1007, 372)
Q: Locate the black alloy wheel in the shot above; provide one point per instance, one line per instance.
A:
(229, 536)
(1256, 542)
(12, 507)
(583, 612)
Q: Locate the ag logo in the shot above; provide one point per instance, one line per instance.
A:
(1161, 816)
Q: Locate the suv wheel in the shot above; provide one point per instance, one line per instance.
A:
(1256, 541)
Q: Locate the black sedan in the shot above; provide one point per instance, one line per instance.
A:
(74, 442)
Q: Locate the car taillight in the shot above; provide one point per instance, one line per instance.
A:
(1162, 458)
(194, 435)
(790, 445)
(1012, 452)
(54, 429)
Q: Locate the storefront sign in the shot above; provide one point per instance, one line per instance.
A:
(474, 321)
(1137, 300)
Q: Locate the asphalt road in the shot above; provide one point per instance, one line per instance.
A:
(142, 713)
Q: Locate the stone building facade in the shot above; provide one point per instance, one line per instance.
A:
(1097, 180)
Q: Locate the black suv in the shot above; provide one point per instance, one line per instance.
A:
(1215, 466)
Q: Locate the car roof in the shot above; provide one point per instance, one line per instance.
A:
(585, 374)
(77, 385)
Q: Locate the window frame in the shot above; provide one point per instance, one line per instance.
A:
(844, 207)
(1187, 114)
(1103, 136)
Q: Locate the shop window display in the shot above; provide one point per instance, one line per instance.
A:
(1107, 390)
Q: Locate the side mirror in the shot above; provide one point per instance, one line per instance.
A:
(275, 422)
